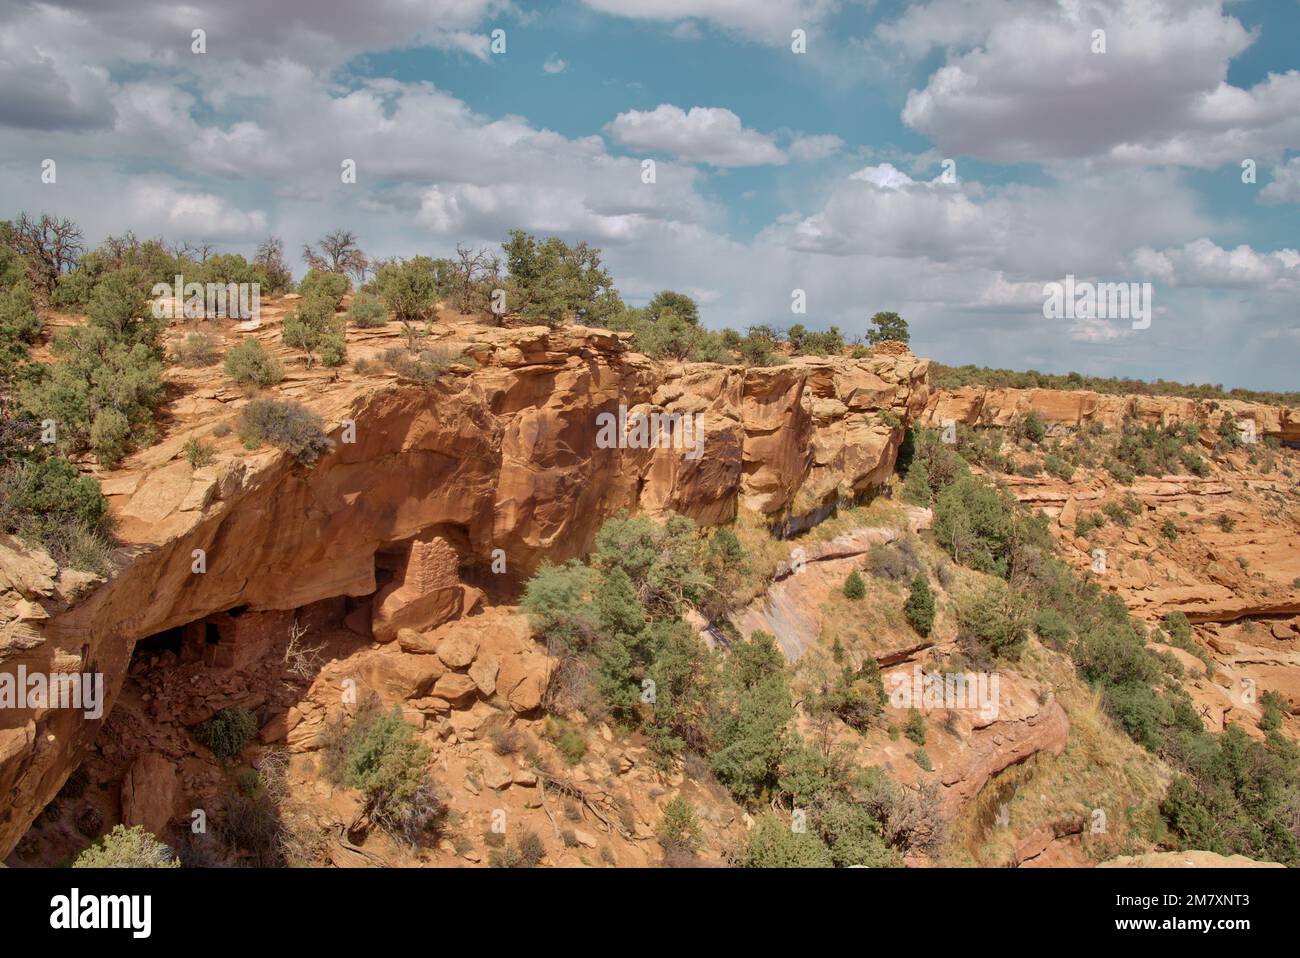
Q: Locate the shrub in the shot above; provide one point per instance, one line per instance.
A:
(1058, 467)
(1052, 629)
(915, 727)
(102, 393)
(314, 328)
(888, 326)
(424, 366)
(528, 852)
(110, 436)
(1169, 530)
(197, 350)
(127, 848)
(773, 844)
(981, 526)
(286, 425)
(386, 763)
(679, 830)
(227, 732)
(1117, 514)
(197, 454)
(1226, 522)
(916, 487)
(367, 311)
(854, 587)
(994, 619)
(332, 286)
(248, 363)
(48, 504)
(894, 561)
(919, 607)
(922, 758)
(572, 746)
(1031, 427)
(409, 288)
(1087, 522)
(752, 717)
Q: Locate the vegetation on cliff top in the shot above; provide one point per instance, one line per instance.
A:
(954, 377)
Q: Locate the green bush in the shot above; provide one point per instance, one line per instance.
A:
(1058, 467)
(1169, 529)
(919, 607)
(367, 311)
(103, 393)
(1087, 522)
(197, 454)
(48, 504)
(994, 619)
(773, 844)
(854, 587)
(679, 830)
(248, 363)
(332, 286)
(915, 727)
(227, 732)
(922, 758)
(424, 366)
(286, 425)
(384, 760)
(127, 848)
(752, 717)
(409, 288)
(197, 349)
(313, 328)
(981, 526)
(1052, 629)
(888, 326)
(916, 486)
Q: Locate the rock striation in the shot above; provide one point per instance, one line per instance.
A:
(500, 460)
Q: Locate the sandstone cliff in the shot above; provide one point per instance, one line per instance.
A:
(501, 454)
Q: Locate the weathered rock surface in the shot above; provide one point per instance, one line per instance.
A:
(1192, 859)
(502, 456)
(995, 406)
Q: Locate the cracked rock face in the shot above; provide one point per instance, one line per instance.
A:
(502, 456)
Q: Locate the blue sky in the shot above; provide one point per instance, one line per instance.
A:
(775, 170)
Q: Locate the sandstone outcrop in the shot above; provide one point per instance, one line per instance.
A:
(501, 454)
(996, 406)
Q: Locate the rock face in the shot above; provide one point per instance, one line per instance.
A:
(507, 455)
(148, 791)
(992, 406)
(1192, 859)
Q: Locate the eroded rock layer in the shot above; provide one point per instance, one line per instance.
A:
(505, 453)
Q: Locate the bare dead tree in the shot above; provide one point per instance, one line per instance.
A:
(301, 660)
(270, 256)
(471, 268)
(339, 252)
(52, 246)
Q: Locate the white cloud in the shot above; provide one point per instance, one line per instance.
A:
(712, 135)
(554, 65)
(1284, 186)
(815, 147)
(1203, 263)
(884, 176)
(1021, 83)
(767, 21)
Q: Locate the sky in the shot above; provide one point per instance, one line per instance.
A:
(945, 159)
